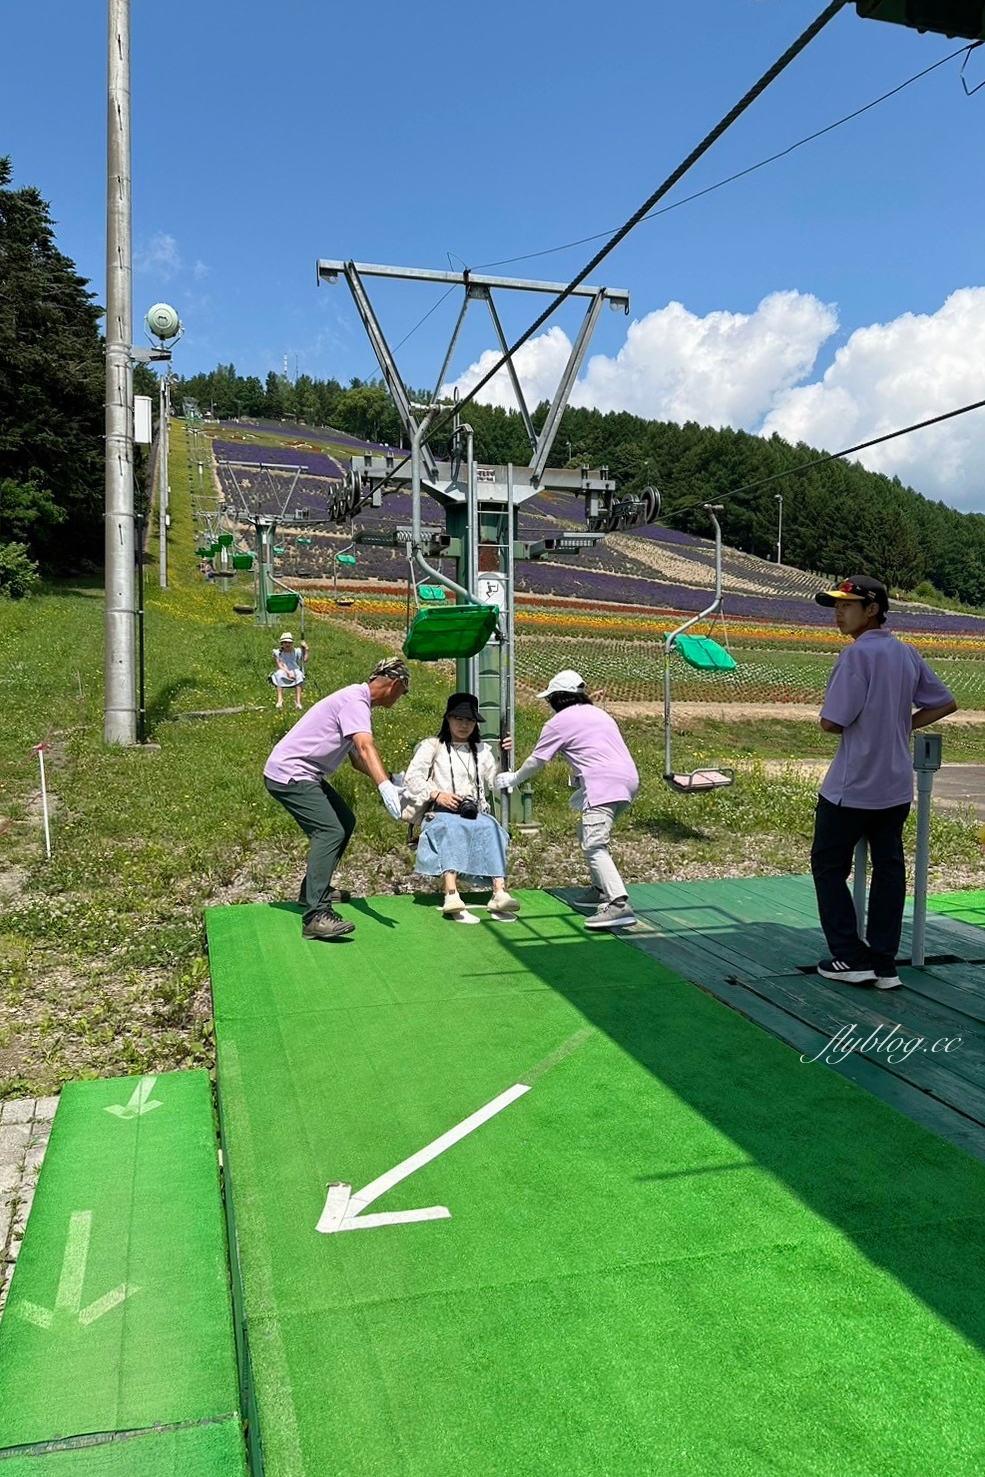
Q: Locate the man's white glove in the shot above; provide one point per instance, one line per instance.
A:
(506, 780)
(390, 796)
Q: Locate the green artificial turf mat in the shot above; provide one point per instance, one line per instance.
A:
(118, 1316)
(968, 906)
(683, 1250)
(212, 1450)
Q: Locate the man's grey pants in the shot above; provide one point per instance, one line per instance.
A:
(594, 833)
(328, 823)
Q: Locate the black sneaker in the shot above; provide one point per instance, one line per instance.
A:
(327, 925)
(837, 969)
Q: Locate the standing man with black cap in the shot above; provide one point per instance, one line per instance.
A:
(297, 773)
(879, 692)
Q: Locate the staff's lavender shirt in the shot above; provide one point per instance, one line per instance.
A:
(872, 692)
(592, 744)
(320, 741)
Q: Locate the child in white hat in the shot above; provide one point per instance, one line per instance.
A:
(290, 661)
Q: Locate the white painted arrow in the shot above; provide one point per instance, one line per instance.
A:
(138, 1104)
(68, 1299)
(343, 1210)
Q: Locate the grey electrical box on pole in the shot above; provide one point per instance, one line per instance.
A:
(927, 751)
(120, 700)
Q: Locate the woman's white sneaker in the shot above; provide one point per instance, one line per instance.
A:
(502, 902)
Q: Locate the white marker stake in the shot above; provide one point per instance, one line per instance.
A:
(39, 750)
(68, 1299)
(138, 1104)
(343, 1210)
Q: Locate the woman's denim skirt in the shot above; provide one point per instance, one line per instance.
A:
(473, 848)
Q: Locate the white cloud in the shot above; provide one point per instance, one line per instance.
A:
(892, 374)
(161, 256)
(746, 370)
(539, 364)
(721, 370)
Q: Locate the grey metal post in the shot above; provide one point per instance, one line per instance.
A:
(926, 761)
(120, 700)
(162, 482)
(779, 526)
(859, 867)
(510, 714)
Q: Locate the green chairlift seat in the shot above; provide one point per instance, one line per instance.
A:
(436, 593)
(442, 631)
(225, 541)
(345, 558)
(705, 654)
(242, 561)
(202, 553)
(283, 603)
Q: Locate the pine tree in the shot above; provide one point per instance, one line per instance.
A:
(51, 391)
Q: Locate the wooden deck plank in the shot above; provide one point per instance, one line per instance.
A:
(816, 1004)
(937, 1116)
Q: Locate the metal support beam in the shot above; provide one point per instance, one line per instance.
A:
(511, 367)
(544, 443)
(330, 271)
(384, 357)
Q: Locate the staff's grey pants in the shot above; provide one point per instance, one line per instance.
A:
(328, 823)
(594, 833)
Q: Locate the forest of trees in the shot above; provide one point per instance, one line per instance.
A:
(838, 518)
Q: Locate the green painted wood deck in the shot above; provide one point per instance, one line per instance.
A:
(753, 943)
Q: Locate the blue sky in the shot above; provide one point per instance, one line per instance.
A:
(835, 294)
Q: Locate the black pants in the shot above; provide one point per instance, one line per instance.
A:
(837, 830)
(328, 823)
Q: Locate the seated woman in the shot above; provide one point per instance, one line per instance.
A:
(445, 785)
(290, 668)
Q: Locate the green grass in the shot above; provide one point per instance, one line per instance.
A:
(102, 954)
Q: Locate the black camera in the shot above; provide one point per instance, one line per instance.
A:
(468, 808)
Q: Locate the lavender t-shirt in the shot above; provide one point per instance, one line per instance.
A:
(591, 743)
(872, 692)
(320, 741)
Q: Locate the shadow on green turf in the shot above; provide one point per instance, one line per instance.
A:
(912, 1203)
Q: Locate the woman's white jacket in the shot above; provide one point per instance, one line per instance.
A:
(434, 769)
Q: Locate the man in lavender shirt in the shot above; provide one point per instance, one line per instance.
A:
(876, 685)
(337, 728)
(606, 781)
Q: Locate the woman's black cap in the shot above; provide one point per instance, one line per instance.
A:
(462, 705)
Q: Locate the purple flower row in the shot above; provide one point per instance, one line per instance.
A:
(277, 456)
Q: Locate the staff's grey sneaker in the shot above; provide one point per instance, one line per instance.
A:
(328, 926)
(612, 915)
(590, 898)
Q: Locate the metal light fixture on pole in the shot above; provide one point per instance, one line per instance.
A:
(779, 526)
(120, 702)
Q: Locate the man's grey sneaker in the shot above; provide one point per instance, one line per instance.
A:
(327, 925)
(612, 915)
(837, 969)
(888, 982)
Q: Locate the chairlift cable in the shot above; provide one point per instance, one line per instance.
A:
(740, 174)
(724, 124)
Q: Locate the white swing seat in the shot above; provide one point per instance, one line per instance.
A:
(700, 780)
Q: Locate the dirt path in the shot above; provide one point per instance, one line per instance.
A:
(723, 712)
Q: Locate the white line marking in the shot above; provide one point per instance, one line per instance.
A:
(138, 1104)
(343, 1210)
(68, 1299)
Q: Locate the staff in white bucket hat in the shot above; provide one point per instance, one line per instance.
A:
(606, 783)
